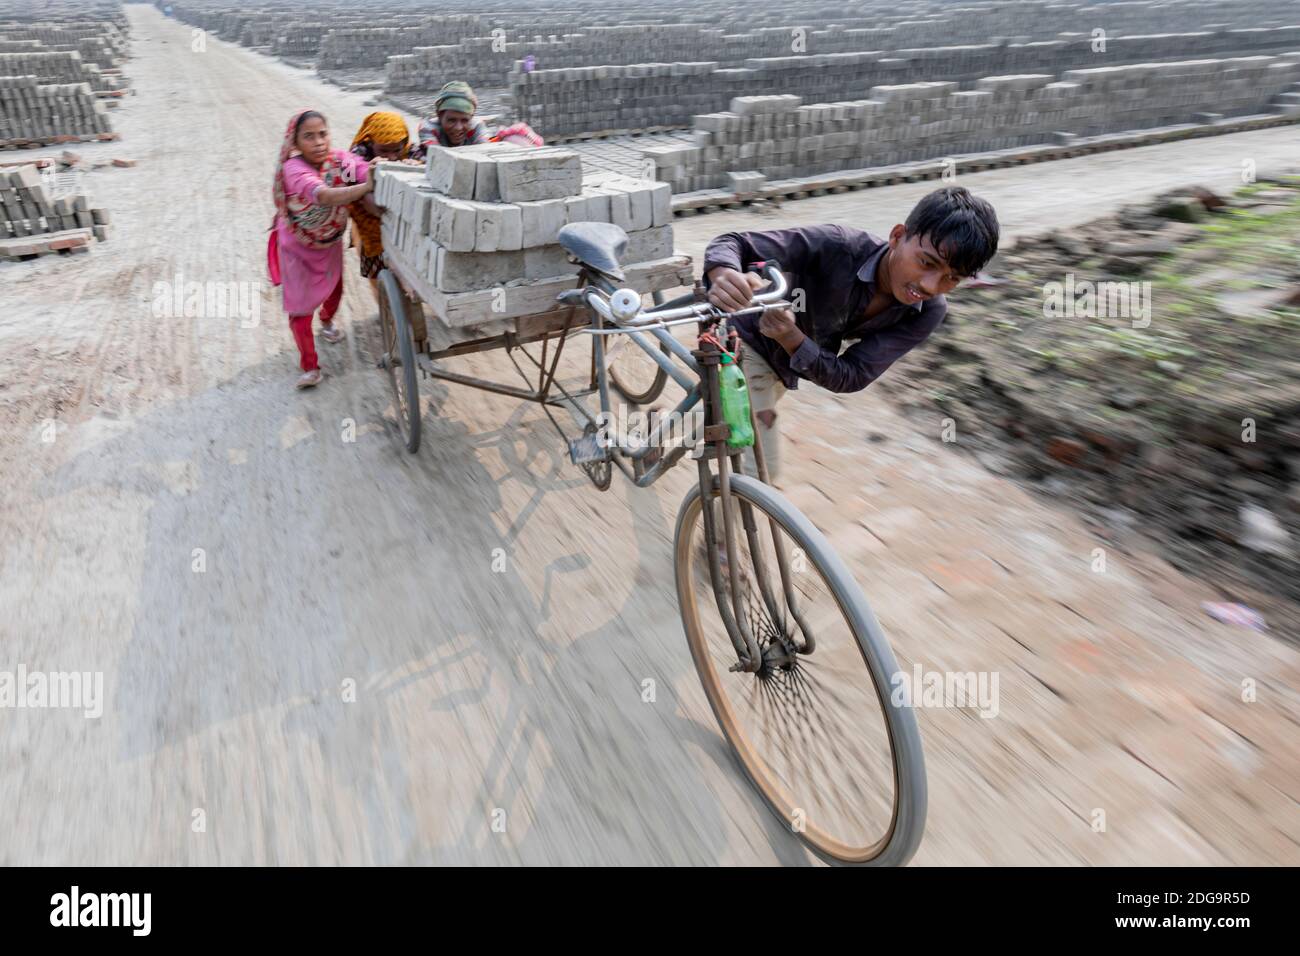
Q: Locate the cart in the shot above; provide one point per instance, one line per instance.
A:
(794, 664)
(539, 337)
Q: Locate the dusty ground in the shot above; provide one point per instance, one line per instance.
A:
(330, 561)
(1175, 419)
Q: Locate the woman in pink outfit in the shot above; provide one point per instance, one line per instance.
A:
(313, 187)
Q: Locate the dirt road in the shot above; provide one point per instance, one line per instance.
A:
(318, 649)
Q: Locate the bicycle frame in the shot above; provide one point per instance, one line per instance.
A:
(704, 387)
(595, 294)
(656, 322)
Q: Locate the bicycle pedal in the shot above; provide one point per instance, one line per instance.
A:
(587, 450)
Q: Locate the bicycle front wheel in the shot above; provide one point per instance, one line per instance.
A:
(820, 735)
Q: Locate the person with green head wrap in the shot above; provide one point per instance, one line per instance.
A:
(453, 122)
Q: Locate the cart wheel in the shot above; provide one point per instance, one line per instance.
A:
(399, 360)
(637, 377)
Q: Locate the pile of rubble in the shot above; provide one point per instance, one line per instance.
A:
(1143, 367)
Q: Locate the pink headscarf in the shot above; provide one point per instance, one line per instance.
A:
(520, 134)
(314, 226)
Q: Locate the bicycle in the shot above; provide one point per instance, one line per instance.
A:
(776, 624)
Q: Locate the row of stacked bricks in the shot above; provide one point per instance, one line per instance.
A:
(300, 39)
(479, 225)
(257, 31)
(93, 50)
(347, 48)
(58, 66)
(231, 25)
(33, 221)
(34, 112)
(569, 102)
(775, 137)
(491, 60)
(1162, 94)
(690, 42)
(975, 21)
(978, 17)
(99, 35)
(481, 61)
(613, 99)
(58, 76)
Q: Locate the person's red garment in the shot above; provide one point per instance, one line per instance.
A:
(273, 257)
(300, 325)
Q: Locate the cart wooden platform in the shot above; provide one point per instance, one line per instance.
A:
(509, 318)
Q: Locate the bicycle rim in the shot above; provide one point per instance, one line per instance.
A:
(837, 762)
(400, 359)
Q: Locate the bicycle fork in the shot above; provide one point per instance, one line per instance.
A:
(750, 655)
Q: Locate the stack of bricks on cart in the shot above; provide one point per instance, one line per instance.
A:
(35, 113)
(476, 232)
(33, 220)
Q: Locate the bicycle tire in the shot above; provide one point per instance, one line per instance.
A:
(907, 823)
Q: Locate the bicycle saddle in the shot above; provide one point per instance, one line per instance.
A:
(599, 245)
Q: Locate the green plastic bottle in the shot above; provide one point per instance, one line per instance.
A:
(735, 403)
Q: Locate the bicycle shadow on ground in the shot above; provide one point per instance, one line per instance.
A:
(291, 546)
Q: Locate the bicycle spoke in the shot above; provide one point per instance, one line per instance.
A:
(815, 721)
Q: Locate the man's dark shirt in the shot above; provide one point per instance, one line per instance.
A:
(835, 266)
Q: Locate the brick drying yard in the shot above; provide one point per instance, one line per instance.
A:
(133, 435)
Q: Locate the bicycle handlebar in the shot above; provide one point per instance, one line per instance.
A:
(762, 301)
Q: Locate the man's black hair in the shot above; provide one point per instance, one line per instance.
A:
(962, 227)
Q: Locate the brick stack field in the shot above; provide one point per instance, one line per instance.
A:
(61, 76)
(792, 99)
(60, 71)
(317, 648)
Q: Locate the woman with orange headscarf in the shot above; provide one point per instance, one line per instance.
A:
(382, 136)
